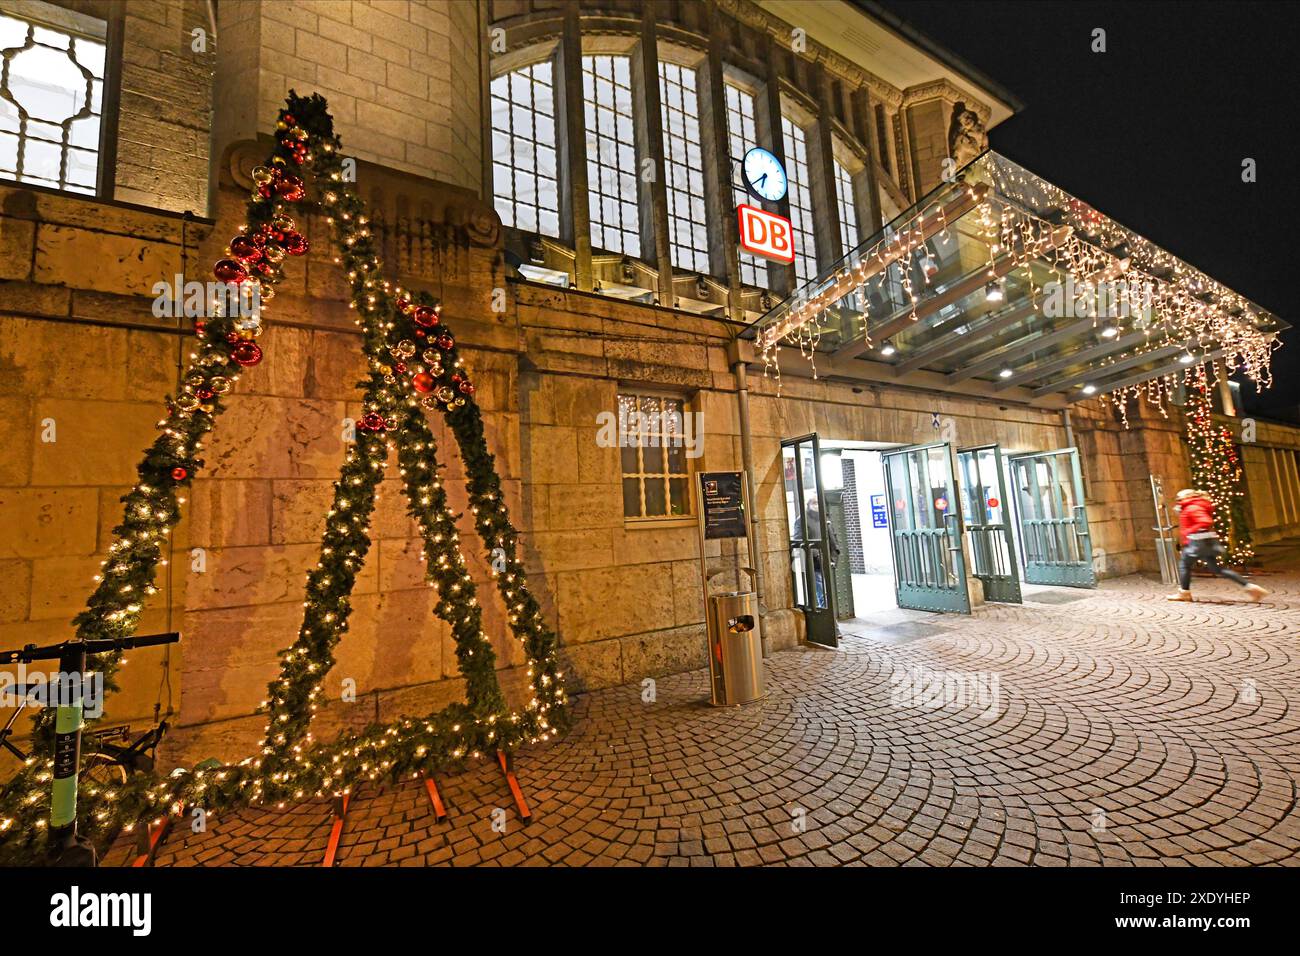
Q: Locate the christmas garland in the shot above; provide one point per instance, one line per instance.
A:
(414, 366)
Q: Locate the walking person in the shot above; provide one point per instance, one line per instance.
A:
(1201, 543)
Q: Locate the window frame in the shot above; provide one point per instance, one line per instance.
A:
(533, 57)
(64, 20)
(595, 191)
(640, 392)
(745, 261)
(805, 232)
(701, 258)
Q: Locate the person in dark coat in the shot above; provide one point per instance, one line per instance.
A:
(1201, 543)
(812, 520)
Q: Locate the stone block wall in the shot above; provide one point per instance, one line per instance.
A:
(401, 77)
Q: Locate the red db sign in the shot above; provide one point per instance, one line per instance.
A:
(765, 234)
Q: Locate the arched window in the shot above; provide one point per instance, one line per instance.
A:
(688, 233)
(525, 178)
(611, 154)
(800, 192)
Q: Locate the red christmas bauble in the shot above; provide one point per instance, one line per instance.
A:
(445, 341)
(372, 422)
(403, 304)
(246, 352)
(228, 270)
(424, 315)
(400, 367)
(265, 190)
(205, 393)
(295, 243)
(467, 388)
(200, 327)
(422, 381)
(289, 120)
(179, 473)
(244, 248)
(232, 337)
(290, 188)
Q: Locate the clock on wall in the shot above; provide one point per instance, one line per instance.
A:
(764, 175)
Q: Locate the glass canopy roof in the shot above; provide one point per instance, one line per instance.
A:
(1002, 283)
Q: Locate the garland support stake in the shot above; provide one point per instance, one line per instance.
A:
(336, 831)
(439, 811)
(151, 839)
(507, 763)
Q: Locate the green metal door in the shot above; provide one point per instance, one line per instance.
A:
(1053, 520)
(988, 526)
(925, 529)
(811, 566)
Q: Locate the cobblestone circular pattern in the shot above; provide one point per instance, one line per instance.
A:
(1125, 730)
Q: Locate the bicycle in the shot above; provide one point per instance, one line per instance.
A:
(106, 764)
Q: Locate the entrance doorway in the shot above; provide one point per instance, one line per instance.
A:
(881, 530)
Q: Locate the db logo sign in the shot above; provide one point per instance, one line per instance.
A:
(765, 234)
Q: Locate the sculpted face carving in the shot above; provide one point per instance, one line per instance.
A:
(967, 137)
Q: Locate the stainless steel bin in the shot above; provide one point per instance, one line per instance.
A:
(735, 649)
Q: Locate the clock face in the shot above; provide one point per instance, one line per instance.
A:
(764, 175)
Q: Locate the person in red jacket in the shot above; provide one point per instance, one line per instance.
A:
(1201, 543)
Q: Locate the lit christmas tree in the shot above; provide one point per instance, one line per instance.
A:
(1216, 470)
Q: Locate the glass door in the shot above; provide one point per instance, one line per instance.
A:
(1053, 521)
(811, 564)
(925, 529)
(988, 523)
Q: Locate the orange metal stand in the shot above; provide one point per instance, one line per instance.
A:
(507, 767)
(153, 838)
(336, 831)
(439, 811)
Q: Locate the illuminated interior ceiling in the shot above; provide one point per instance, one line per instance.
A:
(1001, 284)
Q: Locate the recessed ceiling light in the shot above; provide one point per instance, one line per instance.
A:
(887, 349)
(1187, 359)
(1109, 332)
(993, 292)
(1089, 389)
(1006, 373)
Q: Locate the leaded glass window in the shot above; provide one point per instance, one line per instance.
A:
(51, 103)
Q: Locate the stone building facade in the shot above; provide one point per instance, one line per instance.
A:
(85, 361)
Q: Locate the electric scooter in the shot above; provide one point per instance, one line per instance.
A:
(66, 848)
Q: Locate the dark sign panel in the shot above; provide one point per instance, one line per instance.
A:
(723, 504)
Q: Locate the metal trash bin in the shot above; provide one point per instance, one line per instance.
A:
(736, 672)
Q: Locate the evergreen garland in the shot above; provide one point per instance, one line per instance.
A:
(414, 366)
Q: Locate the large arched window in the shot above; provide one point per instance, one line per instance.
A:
(525, 175)
(688, 232)
(611, 154)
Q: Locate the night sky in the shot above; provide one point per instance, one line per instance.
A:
(1153, 132)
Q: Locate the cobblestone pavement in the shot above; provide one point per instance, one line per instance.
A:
(1125, 730)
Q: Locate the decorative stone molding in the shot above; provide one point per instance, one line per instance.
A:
(943, 89)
